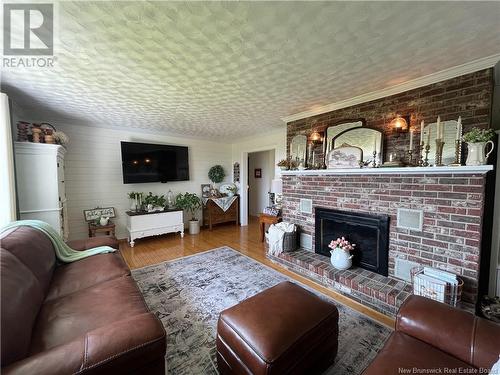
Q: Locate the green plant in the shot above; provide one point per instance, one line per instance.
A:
(477, 135)
(216, 174)
(155, 200)
(189, 202)
(134, 194)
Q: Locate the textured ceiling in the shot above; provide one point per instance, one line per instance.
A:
(227, 69)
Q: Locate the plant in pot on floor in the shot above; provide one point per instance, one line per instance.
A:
(191, 203)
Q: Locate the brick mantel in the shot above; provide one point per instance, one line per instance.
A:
(452, 204)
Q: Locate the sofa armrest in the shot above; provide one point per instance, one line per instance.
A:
(473, 340)
(91, 242)
(123, 347)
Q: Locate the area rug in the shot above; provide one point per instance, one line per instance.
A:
(189, 293)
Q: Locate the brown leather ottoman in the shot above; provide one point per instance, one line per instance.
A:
(282, 330)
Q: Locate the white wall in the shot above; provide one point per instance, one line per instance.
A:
(274, 140)
(259, 187)
(93, 171)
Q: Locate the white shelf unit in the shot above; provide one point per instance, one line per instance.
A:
(40, 184)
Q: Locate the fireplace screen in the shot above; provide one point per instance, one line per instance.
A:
(370, 233)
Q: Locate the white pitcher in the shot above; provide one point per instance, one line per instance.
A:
(476, 153)
(341, 259)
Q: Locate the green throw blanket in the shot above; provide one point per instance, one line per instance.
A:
(64, 253)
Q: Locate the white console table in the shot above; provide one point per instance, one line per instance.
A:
(145, 224)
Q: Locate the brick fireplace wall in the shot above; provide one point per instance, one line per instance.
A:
(469, 96)
(452, 205)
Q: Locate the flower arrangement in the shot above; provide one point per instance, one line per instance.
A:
(477, 135)
(342, 244)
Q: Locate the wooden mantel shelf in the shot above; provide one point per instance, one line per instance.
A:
(481, 169)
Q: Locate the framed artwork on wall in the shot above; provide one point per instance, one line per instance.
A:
(96, 213)
(258, 173)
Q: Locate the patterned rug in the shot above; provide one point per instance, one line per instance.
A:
(189, 293)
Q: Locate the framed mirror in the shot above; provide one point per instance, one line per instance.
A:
(334, 130)
(369, 140)
(298, 149)
(450, 132)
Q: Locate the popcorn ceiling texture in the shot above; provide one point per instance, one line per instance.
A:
(452, 205)
(469, 96)
(230, 69)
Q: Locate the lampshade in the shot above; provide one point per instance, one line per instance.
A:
(399, 123)
(276, 186)
(315, 137)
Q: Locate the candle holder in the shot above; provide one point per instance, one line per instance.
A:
(410, 158)
(458, 154)
(421, 148)
(374, 162)
(425, 161)
(439, 153)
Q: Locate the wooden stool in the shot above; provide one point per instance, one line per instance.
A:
(266, 219)
(107, 229)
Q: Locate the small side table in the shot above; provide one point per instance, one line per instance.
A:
(108, 229)
(266, 219)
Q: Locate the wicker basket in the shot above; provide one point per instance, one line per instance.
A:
(451, 297)
(290, 241)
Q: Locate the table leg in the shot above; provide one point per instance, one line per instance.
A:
(262, 231)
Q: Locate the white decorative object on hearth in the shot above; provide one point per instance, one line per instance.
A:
(40, 184)
(141, 225)
(341, 259)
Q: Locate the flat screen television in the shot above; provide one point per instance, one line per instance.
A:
(145, 162)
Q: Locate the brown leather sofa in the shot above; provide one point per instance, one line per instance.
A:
(85, 317)
(431, 337)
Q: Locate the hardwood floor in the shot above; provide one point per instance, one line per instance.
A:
(246, 240)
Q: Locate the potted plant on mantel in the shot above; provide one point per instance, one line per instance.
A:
(477, 139)
(191, 203)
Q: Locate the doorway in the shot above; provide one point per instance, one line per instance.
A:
(260, 176)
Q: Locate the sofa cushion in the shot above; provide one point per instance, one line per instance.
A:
(34, 249)
(73, 277)
(22, 297)
(402, 352)
(63, 319)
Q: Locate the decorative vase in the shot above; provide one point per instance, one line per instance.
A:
(194, 226)
(476, 153)
(341, 259)
(133, 205)
(103, 220)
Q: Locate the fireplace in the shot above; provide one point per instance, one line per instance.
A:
(370, 233)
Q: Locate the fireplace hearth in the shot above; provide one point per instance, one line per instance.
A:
(370, 233)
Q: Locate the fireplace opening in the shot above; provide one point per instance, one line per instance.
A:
(370, 233)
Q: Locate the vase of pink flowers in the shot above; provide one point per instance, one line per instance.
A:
(341, 257)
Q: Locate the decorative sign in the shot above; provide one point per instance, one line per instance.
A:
(96, 213)
(258, 173)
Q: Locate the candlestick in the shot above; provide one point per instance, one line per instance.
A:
(426, 160)
(459, 128)
(422, 132)
(374, 159)
(410, 158)
(421, 148)
(439, 153)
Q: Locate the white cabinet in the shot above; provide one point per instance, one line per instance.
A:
(40, 183)
(144, 224)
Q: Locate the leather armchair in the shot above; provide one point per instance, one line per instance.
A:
(432, 335)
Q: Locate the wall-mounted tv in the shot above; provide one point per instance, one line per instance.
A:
(145, 162)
